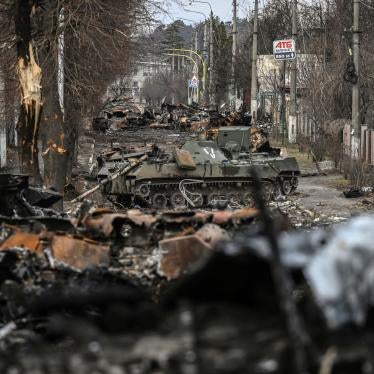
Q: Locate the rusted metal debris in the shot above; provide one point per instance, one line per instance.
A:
(86, 240)
(178, 253)
(110, 224)
(122, 113)
(75, 251)
(211, 277)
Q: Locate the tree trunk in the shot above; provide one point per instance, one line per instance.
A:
(72, 101)
(29, 75)
(54, 132)
(10, 102)
(73, 121)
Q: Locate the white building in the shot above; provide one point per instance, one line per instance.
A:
(145, 70)
(133, 84)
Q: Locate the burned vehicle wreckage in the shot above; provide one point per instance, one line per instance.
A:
(121, 113)
(202, 173)
(117, 291)
(18, 198)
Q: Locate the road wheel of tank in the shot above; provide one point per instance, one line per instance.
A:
(248, 199)
(177, 200)
(144, 190)
(198, 200)
(212, 198)
(286, 187)
(294, 183)
(159, 201)
(233, 198)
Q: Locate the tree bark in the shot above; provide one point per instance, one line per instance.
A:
(29, 75)
(73, 121)
(10, 102)
(54, 132)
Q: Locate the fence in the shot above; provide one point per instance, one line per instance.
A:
(367, 143)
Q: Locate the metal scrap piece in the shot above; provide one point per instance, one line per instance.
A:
(74, 251)
(179, 253)
(79, 253)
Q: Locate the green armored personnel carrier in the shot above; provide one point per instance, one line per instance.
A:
(204, 173)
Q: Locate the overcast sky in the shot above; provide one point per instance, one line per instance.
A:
(221, 8)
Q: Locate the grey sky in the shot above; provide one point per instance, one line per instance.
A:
(221, 8)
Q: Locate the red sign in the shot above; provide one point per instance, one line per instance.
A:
(284, 49)
(288, 44)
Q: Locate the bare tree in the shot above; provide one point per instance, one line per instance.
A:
(68, 51)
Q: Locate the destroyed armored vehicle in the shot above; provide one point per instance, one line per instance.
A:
(121, 113)
(202, 173)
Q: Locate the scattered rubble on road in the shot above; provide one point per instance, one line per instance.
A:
(198, 297)
(224, 288)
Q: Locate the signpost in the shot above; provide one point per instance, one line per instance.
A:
(284, 49)
(193, 84)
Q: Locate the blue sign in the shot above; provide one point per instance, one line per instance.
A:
(193, 83)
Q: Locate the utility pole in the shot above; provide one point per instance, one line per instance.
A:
(356, 125)
(254, 65)
(211, 61)
(234, 48)
(206, 57)
(205, 42)
(3, 121)
(173, 76)
(195, 40)
(292, 123)
(283, 98)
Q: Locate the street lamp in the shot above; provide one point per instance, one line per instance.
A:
(202, 2)
(211, 50)
(205, 47)
(196, 65)
(200, 58)
(195, 11)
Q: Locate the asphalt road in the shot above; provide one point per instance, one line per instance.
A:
(321, 194)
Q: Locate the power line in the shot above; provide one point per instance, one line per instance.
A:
(367, 5)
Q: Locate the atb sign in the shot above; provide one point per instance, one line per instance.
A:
(284, 49)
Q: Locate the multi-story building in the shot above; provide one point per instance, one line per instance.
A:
(133, 84)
